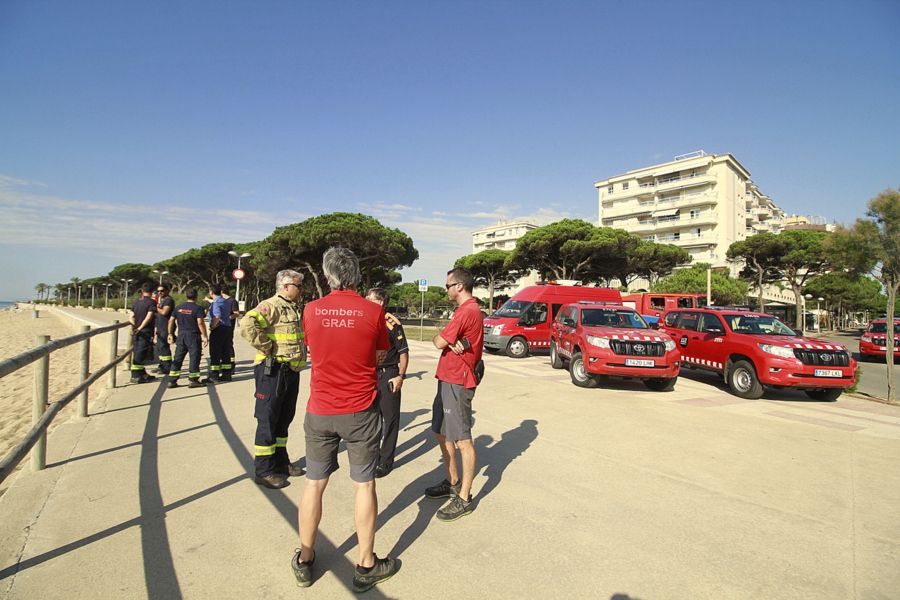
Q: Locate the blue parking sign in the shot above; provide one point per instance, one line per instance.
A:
(423, 285)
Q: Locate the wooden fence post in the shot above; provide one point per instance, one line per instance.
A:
(113, 353)
(85, 370)
(39, 405)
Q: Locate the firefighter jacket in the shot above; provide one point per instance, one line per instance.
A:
(274, 327)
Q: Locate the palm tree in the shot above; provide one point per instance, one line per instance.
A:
(41, 289)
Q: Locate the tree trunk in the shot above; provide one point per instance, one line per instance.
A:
(891, 287)
(315, 277)
(491, 295)
(798, 298)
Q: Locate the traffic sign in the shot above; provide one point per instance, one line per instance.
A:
(423, 285)
(238, 274)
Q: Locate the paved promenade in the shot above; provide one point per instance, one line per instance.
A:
(612, 493)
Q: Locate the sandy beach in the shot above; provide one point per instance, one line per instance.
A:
(18, 331)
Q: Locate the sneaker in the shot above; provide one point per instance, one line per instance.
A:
(455, 509)
(302, 570)
(291, 470)
(173, 384)
(144, 379)
(383, 569)
(195, 383)
(382, 471)
(443, 490)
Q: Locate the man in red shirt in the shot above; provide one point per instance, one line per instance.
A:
(461, 343)
(347, 338)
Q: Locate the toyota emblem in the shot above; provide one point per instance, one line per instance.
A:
(825, 357)
(639, 348)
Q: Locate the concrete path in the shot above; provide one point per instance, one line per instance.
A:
(873, 381)
(611, 493)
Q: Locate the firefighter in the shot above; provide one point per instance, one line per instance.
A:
(191, 334)
(275, 330)
(164, 307)
(219, 333)
(142, 313)
(235, 315)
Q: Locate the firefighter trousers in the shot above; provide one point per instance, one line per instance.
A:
(187, 343)
(389, 405)
(276, 404)
(163, 352)
(218, 349)
(142, 354)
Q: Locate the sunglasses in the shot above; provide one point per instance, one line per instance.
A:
(450, 285)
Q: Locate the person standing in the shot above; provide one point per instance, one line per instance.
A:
(391, 372)
(461, 343)
(164, 307)
(274, 328)
(189, 319)
(219, 333)
(235, 315)
(142, 313)
(347, 339)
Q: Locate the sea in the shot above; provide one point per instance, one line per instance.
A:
(4, 304)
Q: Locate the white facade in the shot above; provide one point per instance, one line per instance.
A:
(503, 236)
(700, 202)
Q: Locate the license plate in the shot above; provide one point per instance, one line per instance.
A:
(637, 362)
(827, 373)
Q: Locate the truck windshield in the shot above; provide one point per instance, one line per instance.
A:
(882, 328)
(513, 308)
(757, 325)
(599, 317)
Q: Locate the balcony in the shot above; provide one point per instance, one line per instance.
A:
(684, 181)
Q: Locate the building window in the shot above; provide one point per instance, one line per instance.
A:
(624, 186)
(697, 232)
(609, 190)
(695, 213)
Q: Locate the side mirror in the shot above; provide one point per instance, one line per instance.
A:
(715, 331)
(654, 325)
(526, 321)
(798, 332)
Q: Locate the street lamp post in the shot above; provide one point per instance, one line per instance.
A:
(237, 292)
(806, 297)
(93, 295)
(818, 315)
(125, 295)
(106, 305)
(78, 295)
(161, 273)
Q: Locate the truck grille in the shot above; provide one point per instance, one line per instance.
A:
(637, 348)
(880, 341)
(487, 329)
(823, 358)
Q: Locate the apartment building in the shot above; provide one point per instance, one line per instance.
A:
(698, 201)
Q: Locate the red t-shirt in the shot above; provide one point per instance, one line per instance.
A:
(343, 330)
(467, 322)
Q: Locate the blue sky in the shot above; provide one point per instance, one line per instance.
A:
(132, 131)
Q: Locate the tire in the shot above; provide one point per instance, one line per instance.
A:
(742, 380)
(579, 374)
(517, 347)
(829, 395)
(556, 360)
(660, 384)
(491, 350)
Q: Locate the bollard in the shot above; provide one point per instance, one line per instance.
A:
(113, 353)
(39, 405)
(85, 371)
(35, 313)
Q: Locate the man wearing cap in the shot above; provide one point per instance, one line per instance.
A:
(164, 307)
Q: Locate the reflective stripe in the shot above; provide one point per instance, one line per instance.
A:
(286, 336)
(174, 373)
(294, 363)
(281, 442)
(265, 450)
(161, 357)
(215, 368)
(259, 318)
(226, 367)
(137, 367)
(193, 375)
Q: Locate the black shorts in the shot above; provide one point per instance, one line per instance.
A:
(452, 411)
(362, 433)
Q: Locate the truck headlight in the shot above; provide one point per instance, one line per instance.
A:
(670, 345)
(600, 342)
(781, 351)
(497, 329)
(867, 338)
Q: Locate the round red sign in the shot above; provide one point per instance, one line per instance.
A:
(238, 274)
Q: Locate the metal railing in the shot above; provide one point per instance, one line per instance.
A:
(44, 413)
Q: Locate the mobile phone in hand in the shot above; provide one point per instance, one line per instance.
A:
(465, 343)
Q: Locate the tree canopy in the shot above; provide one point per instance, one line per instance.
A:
(491, 270)
(725, 290)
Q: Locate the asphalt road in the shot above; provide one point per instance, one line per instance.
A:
(873, 381)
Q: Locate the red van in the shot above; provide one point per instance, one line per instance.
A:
(524, 321)
(652, 305)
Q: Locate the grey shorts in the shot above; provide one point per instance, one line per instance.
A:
(451, 414)
(361, 432)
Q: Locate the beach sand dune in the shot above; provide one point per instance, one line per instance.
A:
(18, 333)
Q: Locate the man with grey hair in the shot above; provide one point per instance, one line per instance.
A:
(274, 328)
(348, 338)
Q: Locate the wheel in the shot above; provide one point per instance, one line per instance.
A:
(580, 376)
(556, 360)
(491, 350)
(829, 395)
(661, 385)
(743, 381)
(517, 348)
